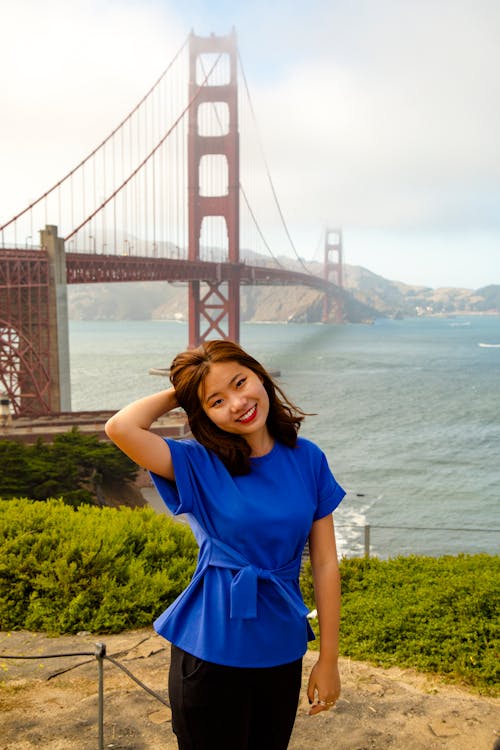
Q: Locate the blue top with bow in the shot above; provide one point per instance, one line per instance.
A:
(243, 606)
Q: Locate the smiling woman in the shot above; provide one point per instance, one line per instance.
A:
(237, 402)
(233, 405)
(253, 493)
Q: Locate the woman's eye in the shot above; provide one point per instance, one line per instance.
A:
(240, 382)
(218, 402)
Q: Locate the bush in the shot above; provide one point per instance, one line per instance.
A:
(74, 466)
(106, 570)
(434, 614)
(99, 569)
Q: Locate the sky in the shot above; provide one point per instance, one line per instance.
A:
(381, 117)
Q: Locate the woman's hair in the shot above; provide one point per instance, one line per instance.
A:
(188, 372)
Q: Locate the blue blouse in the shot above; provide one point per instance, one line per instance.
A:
(243, 606)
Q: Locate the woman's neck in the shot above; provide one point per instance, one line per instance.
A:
(260, 444)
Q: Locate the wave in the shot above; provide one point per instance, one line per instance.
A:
(489, 346)
(349, 530)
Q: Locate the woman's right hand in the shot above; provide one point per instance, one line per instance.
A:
(129, 430)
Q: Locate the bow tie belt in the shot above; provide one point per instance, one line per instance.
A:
(243, 594)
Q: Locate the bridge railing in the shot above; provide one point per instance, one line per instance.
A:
(20, 245)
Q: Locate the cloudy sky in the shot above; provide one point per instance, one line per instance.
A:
(380, 116)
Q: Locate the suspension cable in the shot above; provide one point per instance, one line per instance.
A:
(259, 230)
(146, 159)
(243, 193)
(108, 138)
(268, 173)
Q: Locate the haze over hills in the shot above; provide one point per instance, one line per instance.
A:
(367, 296)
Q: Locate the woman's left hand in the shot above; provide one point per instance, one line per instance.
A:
(324, 686)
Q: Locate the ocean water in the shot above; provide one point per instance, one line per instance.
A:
(407, 413)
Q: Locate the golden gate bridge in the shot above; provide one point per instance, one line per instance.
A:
(163, 197)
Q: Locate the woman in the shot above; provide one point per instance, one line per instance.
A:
(253, 493)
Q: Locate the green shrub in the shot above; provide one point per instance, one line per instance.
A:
(437, 615)
(74, 466)
(104, 570)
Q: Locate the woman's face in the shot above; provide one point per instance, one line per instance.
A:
(235, 399)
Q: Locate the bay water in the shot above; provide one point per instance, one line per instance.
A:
(406, 411)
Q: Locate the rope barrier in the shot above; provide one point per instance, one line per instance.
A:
(138, 681)
(50, 656)
(100, 654)
(414, 528)
(366, 530)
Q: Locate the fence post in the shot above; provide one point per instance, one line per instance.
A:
(100, 653)
(367, 541)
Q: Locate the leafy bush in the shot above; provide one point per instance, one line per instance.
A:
(74, 466)
(103, 570)
(437, 615)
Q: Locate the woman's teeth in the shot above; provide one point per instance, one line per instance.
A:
(248, 415)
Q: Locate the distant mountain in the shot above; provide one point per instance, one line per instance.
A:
(393, 298)
(366, 296)
(491, 295)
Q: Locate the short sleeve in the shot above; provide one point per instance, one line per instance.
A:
(330, 493)
(176, 495)
(198, 472)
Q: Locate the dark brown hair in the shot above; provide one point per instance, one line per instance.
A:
(188, 372)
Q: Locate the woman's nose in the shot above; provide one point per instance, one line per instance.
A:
(237, 402)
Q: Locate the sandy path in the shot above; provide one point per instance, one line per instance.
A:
(379, 709)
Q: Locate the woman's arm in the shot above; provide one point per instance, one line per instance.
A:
(129, 430)
(324, 682)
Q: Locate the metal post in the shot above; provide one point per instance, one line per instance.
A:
(100, 653)
(367, 541)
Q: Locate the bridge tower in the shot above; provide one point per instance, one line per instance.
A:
(215, 314)
(333, 272)
(34, 341)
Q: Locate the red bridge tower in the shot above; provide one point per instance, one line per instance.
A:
(216, 313)
(333, 272)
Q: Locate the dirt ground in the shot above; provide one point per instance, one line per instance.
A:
(50, 703)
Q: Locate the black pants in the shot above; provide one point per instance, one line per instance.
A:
(232, 708)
